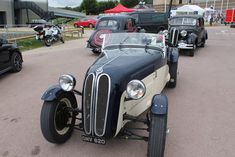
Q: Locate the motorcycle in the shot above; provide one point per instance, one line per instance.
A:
(52, 34)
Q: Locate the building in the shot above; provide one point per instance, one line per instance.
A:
(221, 5)
(16, 12)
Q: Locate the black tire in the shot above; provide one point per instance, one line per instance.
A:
(203, 42)
(62, 39)
(56, 122)
(90, 25)
(16, 62)
(157, 135)
(47, 41)
(173, 73)
(75, 26)
(96, 51)
(191, 52)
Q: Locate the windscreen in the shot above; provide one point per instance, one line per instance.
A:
(183, 21)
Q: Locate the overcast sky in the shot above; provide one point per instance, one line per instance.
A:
(64, 3)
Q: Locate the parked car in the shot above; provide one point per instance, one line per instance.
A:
(125, 81)
(10, 57)
(85, 22)
(150, 21)
(109, 24)
(192, 32)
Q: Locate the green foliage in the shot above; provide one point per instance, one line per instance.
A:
(129, 3)
(90, 6)
(104, 5)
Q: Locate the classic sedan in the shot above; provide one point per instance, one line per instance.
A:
(191, 31)
(109, 24)
(10, 57)
(126, 80)
(85, 22)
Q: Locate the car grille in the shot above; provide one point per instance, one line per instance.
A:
(96, 103)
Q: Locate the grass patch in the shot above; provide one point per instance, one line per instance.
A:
(32, 43)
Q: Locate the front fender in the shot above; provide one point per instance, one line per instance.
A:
(173, 54)
(192, 38)
(159, 104)
(52, 93)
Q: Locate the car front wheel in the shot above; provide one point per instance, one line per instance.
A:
(90, 26)
(173, 74)
(191, 52)
(57, 121)
(16, 62)
(157, 135)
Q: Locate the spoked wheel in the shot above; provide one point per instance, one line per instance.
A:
(157, 135)
(173, 74)
(47, 42)
(16, 62)
(57, 121)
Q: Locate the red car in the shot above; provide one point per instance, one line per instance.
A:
(85, 22)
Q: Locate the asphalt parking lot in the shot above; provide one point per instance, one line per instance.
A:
(201, 107)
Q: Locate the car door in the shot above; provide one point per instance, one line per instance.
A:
(4, 56)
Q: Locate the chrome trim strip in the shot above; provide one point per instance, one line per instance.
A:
(108, 97)
(84, 113)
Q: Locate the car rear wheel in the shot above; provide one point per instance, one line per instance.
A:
(57, 121)
(16, 62)
(90, 26)
(157, 135)
(96, 51)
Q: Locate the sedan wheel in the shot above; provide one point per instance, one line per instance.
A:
(16, 62)
(57, 121)
(90, 26)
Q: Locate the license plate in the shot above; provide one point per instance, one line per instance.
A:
(96, 140)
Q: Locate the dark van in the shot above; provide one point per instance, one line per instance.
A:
(150, 21)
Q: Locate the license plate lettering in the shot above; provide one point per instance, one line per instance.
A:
(96, 140)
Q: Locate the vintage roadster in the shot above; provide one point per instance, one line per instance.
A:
(124, 82)
(191, 31)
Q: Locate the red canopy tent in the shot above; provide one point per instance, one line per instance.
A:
(118, 9)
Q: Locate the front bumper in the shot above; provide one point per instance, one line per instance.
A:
(183, 45)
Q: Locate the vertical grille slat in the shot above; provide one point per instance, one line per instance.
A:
(96, 103)
(88, 100)
(102, 101)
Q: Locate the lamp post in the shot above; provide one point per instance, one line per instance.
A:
(206, 3)
(165, 5)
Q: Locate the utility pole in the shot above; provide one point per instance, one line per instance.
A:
(206, 3)
(165, 5)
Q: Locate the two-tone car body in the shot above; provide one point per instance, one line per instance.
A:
(10, 57)
(109, 24)
(191, 31)
(124, 82)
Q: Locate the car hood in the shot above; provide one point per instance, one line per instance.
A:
(187, 28)
(127, 64)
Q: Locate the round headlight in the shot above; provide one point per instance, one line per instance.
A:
(183, 33)
(135, 89)
(67, 82)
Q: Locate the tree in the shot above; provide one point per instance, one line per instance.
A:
(129, 3)
(90, 7)
(104, 5)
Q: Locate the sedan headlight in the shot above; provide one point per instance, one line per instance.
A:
(135, 89)
(67, 82)
(183, 33)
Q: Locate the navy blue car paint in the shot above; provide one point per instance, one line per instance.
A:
(173, 54)
(159, 105)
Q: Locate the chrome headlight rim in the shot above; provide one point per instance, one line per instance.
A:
(141, 88)
(67, 82)
(183, 33)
